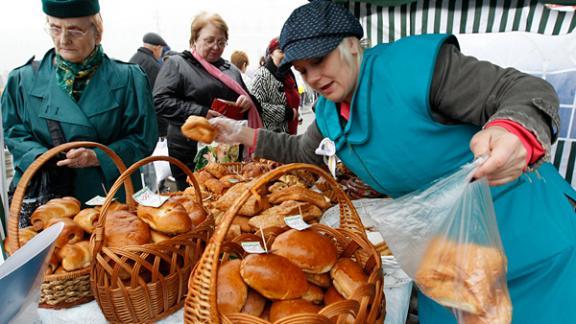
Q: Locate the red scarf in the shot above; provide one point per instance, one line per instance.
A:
(254, 120)
(292, 99)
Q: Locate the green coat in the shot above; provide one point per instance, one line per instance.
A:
(116, 110)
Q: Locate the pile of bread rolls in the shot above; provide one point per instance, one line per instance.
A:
(179, 214)
(302, 273)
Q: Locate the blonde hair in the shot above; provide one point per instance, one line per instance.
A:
(240, 59)
(98, 23)
(345, 52)
(203, 19)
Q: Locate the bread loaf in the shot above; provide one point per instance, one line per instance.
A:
(198, 129)
(57, 207)
(75, 256)
(123, 228)
(308, 249)
(284, 308)
(347, 276)
(71, 232)
(319, 279)
(215, 186)
(332, 296)
(87, 219)
(216, 170)
(231, 291)
(274, 216)
(273, 276)
(25, 234)
(170, 218)
(255, 303)
(299, 193)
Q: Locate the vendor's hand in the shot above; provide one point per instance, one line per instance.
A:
(212, 114)
(231, 132)
(506, 155)
(243, 102)
(80, 158)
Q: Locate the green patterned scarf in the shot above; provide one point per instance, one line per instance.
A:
(74, 77)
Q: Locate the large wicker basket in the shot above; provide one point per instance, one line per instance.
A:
(57, 290)
(158, 271)
(201, 302)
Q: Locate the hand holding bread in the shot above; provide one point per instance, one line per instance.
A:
(198, 129)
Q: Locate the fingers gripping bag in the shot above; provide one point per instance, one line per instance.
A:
(446, 238)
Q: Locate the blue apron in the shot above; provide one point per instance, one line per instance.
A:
(392, 143)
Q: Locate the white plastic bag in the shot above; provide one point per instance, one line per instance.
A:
(446, 238)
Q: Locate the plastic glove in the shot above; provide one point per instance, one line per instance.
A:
(228, 130)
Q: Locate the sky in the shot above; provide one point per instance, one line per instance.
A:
(252, 24)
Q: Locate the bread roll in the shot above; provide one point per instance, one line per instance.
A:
(274, 216)
(87, 219)
(158, 237)
(308, 249)
(123, 228)
(255, 303)
(285, 308)
(332, 296)
(273, 276)
(347, 276)
(170, 218)
(114, 205)
(53, 264)
(57, 207)
(299, 193)
(500, 311)
(228, 181)
(198, 129)
(196, 212)
(250, 208)
(60, 270)
(215, 169)
(71, 233)
(25, 234)
(314, 294)
(319, 279)
(253, 169)
(244, 223)
(231, 291)
(215, 186)
(75, 256)
(202, 176)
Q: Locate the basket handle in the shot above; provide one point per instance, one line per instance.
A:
(98, 234)
(16, 205)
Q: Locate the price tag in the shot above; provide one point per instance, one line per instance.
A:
(145, 197)
(97, 201)
(327, 149)
(253, 247)
(233, 180)
(296, 222)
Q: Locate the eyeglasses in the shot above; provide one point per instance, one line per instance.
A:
(212, 41)
(55, 31)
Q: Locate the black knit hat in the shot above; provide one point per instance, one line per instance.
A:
(153, 39)
(315, 29)
(70, 8)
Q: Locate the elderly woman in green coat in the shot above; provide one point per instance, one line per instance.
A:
(91, 97)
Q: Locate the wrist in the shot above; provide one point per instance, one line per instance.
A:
(247, 136)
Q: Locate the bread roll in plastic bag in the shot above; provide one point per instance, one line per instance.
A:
(446, 238)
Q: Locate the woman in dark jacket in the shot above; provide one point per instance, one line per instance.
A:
(189, 83)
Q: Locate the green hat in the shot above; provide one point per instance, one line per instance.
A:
(70, 8)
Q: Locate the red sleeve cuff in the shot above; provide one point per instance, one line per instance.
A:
(534, 149)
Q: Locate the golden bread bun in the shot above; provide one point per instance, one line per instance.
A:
(87, 219)
(273, 276)
(57, 207)
(196, 212)
(230, 180)
(158, 237)
(215, 186)
(299, 193)
(331, 296)
(71, 233)
(231, 291)
(308, 249)
(217, 170)
(347, 276)
(285, 308)
(60, 270)
(170, 218)
(314, 294)
(75, 256)
(253, 169)
(319, 279)
(25, 234)
(198, 129)
(251, 207)
(274, 216)
(53, 263)
(243, 222)
(500, 311)
(255, 303)
(123, 228)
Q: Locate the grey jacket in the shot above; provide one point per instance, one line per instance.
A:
(458, 94)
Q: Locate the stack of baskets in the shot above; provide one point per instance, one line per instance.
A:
(158, 272)
(350, 239)
(57, 290)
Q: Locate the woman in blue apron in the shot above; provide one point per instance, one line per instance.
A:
(406, 113)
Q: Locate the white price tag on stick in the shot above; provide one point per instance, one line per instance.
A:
(296, 222)
(253, 247)
(147, 198)
(97, 201)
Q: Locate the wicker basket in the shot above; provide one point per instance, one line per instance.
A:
(158, 271)
(57, 290)
(201, 302)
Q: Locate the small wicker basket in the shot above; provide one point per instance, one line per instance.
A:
(57, 290)
(201, 302)
(158, 271)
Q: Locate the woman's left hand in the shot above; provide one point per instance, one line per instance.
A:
(506, 155)
(80, 158)
(243, 102)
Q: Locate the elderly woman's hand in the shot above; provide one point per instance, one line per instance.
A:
(80, 158)
(243, 102)
(506, 155)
